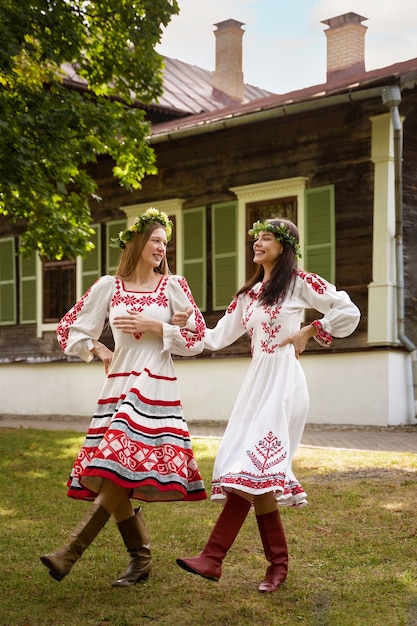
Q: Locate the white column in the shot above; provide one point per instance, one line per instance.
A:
(382, 327)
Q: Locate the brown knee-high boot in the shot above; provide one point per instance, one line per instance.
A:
(275, 548)
(208, 563)
(61, 561)
(136, 538)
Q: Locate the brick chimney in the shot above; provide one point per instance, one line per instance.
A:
(228, 75)
(345, 46)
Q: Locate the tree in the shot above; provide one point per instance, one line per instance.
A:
(51, 126)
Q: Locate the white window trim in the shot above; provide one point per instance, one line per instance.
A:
(121, 225)
(40, 326)
(12, 282)
(80, 262)
(265, 191)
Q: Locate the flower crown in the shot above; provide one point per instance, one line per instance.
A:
(140, 224)
(281, 232)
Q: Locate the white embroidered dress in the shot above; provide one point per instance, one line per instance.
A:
(138, 436)
(270, 411)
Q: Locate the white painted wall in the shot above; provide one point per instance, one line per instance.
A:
(366, 388)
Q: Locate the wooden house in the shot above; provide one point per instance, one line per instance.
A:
(339, 158)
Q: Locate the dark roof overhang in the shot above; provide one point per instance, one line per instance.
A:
(311, 99)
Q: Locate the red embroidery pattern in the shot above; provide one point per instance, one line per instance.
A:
(137, 302)
(252, 481)
(232, 306)
(270, 330)
(191, 337)
(137, 457)
(269, 452)
(165, 459)
(315, 281)
(249, 307)
(68, 320)
(322, 336)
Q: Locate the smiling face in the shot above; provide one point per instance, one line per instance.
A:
(155, 248)
(266, 250)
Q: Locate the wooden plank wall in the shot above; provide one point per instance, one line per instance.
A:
(327, 146)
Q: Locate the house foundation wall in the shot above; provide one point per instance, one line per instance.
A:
(368, 389)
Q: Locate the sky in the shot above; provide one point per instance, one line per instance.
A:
(284, 45)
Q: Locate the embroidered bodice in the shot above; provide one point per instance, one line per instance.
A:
(267, 326)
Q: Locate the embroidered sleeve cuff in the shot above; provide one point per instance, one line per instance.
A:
(322, 337)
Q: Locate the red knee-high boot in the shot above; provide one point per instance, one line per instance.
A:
(275, 548)
(209, 562)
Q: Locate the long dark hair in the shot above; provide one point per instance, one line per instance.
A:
(283, 272)
(132, 252)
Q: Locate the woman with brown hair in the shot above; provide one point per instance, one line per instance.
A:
(138, 445)
(253, 464)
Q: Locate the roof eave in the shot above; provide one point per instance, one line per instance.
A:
(238, 118)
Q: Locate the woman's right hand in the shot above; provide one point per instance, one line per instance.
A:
(103, 353)
(180, 318)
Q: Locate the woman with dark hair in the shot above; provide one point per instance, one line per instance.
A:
(138, 445)
(253, 464)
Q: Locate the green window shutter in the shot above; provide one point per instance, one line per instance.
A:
(224, 253)
(7, 281)
(195, 258)
(319, 235)
(91, 264)
(28, 289)
(113, 254)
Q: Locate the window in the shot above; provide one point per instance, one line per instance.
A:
(28, 289)
(224, 233)
(90, 265)
(8, 312)
(209, 246)
(113, 254)
(58, 289)
(195, 255)
(172, 247)
(319, 235)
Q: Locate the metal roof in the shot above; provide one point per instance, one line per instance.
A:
(188, 89)
(404, 74)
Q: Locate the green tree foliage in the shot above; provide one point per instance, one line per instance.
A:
(72, 73)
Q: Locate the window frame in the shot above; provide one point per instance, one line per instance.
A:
(270, 190)
(229, 256)
(25, 279)
(10, 282)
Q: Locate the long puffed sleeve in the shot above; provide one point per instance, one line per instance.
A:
(86, 319)
(340, 315)
(228, 329)
(189, 340)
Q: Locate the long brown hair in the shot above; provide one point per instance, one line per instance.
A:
(133, 250)
(283, 272)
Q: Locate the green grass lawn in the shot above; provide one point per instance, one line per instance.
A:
(353, 550)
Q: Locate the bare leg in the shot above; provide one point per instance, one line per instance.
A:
(115, 500)
(242, 494)
(265, 503)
